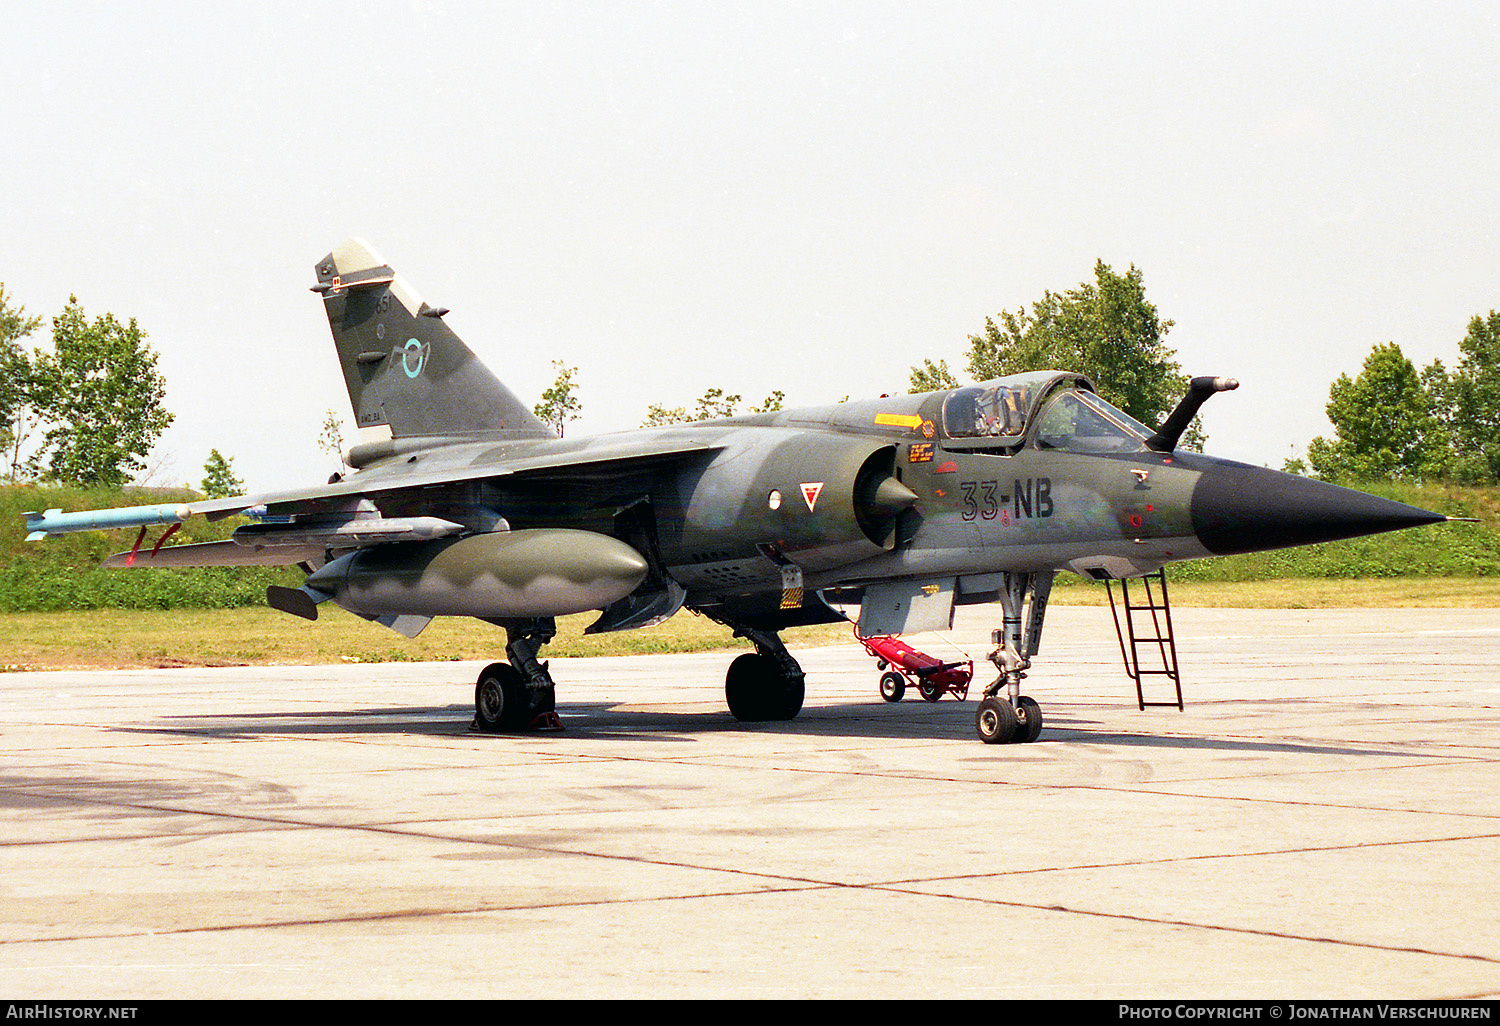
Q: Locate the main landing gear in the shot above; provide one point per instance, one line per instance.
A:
(519, 695)
(766, 684)
(1011, 717)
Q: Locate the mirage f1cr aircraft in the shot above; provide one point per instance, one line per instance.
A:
(462, 503)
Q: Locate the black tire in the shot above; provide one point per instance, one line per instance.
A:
(744, 687)
(756, 690)
(789, 703)
(501, 703)
(930, 692)
(1028, 720)
(892, 687)
(996, 721)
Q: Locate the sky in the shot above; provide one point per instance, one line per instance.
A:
(806, 197)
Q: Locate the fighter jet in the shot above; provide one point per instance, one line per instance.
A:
(888, 512)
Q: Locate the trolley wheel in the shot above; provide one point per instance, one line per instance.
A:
(930, 692)
(892, 687)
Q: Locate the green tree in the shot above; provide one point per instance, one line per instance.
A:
(219, 481)
(559, 404)
(1105, 328)
(1384, 421)
(932, 377)
(1474, 398)
(771, 404)
(659, 416)
(331, 440)
(1442, 451)
(18, 416)
(101, 394)
(713, 404)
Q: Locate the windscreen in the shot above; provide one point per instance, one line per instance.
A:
(1082, 422)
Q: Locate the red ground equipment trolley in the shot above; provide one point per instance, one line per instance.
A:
(931, 676)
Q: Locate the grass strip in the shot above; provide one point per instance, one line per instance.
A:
(114, 638)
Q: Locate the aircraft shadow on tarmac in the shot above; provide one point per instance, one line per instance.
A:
(604, 721)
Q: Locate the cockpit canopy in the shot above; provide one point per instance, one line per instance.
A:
(986, 411)
(1061, 411)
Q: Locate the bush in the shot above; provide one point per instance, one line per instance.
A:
(63, 573)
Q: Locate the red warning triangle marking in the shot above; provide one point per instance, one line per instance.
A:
(810, 493)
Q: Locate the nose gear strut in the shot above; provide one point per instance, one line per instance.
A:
(1013, 718)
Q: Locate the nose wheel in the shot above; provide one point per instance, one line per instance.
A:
(1000, 723)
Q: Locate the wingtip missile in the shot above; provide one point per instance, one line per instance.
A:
(55, 521)
(35, 522)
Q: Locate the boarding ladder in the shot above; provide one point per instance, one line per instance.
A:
(1155, 638)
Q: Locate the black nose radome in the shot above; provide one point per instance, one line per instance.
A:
(1240, 508)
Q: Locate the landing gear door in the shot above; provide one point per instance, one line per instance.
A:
(907, 607)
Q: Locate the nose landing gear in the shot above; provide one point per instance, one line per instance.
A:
(1011, 717)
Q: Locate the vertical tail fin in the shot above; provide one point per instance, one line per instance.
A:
(407, 373)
